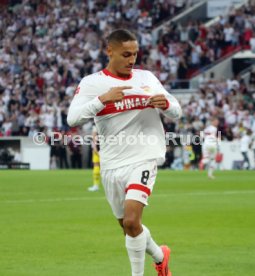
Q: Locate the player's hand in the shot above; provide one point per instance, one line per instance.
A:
(158, 101)
(115, 94)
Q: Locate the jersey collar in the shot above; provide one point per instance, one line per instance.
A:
(108, 73)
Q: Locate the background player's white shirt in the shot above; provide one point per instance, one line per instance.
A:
(130, 117)
(210, 135)
(245, 143)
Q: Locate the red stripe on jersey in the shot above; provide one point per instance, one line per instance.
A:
(108, 73)
(167, 105)
(77, 91)
(130, 102)
(139, 188)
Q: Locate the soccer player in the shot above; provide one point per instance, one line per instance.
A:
(126, 104)
(245, 144)
(95, 161)
(210, 147)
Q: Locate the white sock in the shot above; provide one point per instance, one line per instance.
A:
(152, 248)
(210, 168)
(136, 252)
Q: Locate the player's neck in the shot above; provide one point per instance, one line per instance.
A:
(113, 73)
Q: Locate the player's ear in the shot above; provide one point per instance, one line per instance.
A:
(109, 50)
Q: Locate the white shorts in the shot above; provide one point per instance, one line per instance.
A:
(209, 152)
(134, 182)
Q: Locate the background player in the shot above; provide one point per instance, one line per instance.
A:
(245, 145)
(210, 147)
(95, 161)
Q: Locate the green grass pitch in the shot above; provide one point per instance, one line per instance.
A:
(51, 226)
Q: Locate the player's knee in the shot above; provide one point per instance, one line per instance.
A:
(131, 226)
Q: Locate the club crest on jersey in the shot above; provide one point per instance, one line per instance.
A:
(146, 88)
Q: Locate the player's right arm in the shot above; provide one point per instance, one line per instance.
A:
(87, 102)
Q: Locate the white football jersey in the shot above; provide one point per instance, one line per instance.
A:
(245, 143)
(210, 135)
(130, 130)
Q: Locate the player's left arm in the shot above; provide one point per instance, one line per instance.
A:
(164, 100)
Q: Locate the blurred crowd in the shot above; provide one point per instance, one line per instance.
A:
(231, 101)
(183, 50)
(46, 47)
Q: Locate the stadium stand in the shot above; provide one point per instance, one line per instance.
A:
(47, 48)
(188, 49)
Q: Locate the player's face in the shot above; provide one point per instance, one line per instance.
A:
(122, 57)
(215, 122)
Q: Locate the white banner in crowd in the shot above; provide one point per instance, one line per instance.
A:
(220, 7)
